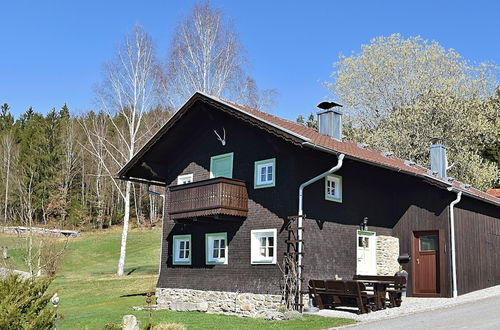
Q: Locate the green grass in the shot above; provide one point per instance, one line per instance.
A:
(92, 295)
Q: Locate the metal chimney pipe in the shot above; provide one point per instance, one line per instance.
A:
(439, 162)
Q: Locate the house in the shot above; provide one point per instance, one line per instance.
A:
(232, 175)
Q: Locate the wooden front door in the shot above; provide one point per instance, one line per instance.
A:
(426, 264)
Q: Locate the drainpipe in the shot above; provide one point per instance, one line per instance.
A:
(149, 191)
(340, 159)
(452, 234)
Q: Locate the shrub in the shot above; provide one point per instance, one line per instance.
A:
(169, 326)
(23, 304)
(292, 315)
(112, 326)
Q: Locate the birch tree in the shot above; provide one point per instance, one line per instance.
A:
(129, 90)
(206, 55)
(9, 157)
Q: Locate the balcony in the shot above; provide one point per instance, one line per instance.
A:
(208, 198)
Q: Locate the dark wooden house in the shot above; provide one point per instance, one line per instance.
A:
(231, 177)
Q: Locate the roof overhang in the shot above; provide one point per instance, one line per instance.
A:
(280, 132)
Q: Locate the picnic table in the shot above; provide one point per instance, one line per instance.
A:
(379, 290)
(393, 286)
(367, 292)
(335, 293)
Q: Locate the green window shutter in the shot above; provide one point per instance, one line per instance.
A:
(221, 166)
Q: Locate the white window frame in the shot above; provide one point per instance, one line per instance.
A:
(209, 244)
(181, 179)
(258, 183)
(176, 246)
(337, 179)
(255, 236)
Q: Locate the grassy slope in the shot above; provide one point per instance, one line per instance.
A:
(91, 295)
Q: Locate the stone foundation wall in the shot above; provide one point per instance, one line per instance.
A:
(233, 303)
(387, 255)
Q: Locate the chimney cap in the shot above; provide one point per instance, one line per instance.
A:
(328, 111)
(326, 105)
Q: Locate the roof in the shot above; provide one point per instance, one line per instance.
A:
(311, 138)
(494, 192)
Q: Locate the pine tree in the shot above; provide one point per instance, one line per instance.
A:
(23, 304)
(6, 119)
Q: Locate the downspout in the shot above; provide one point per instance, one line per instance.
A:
(149, 191)
(340, 159)
(452, 234)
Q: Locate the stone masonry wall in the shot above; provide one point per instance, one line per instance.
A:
(234, 303)
(387, 255)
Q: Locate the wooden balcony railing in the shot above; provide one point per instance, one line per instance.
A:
(219, 196)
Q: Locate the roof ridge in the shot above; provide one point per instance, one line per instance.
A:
(400, 163)
(245, 107)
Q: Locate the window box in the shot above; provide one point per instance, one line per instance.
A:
(265, 173)
(181, 250)
(333, 188)
(216, 248)
(263, 246)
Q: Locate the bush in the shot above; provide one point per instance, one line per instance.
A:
(112, 326)
(292, 315)
(51, 256)
(23, 304)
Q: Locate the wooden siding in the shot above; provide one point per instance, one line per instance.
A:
(477, 237)
(209, 197)
(330, 249)
(394, 203)
(428, 212)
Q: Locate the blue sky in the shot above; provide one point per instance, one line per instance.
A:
(52, 51)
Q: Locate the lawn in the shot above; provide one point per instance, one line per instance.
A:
(92, 295)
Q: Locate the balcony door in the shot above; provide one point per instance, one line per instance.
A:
(221, 166)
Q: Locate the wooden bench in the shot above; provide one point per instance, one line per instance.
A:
(332, 293)
(394, 289)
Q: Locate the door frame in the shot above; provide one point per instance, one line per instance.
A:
(372, 236)
(442, 261)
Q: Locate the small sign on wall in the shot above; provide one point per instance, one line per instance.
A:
(366, 248)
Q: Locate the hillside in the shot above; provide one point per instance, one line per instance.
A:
(91, 295)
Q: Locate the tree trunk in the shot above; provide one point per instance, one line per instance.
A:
(137, 206)
(126, 216)
(6, 190)
(152, 210)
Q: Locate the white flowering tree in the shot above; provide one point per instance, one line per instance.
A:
(401, 93)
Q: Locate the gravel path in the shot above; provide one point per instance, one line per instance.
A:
(412, 305)
(482, 314)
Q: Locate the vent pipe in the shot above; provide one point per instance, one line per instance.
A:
(330, 120)
(439, 162)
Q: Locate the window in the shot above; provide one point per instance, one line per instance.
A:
(185, 178)
(429, 243)
(265, 173)
(216, 248)
(221, 166)
(263, 246)
(333, 188)
(182, 250)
